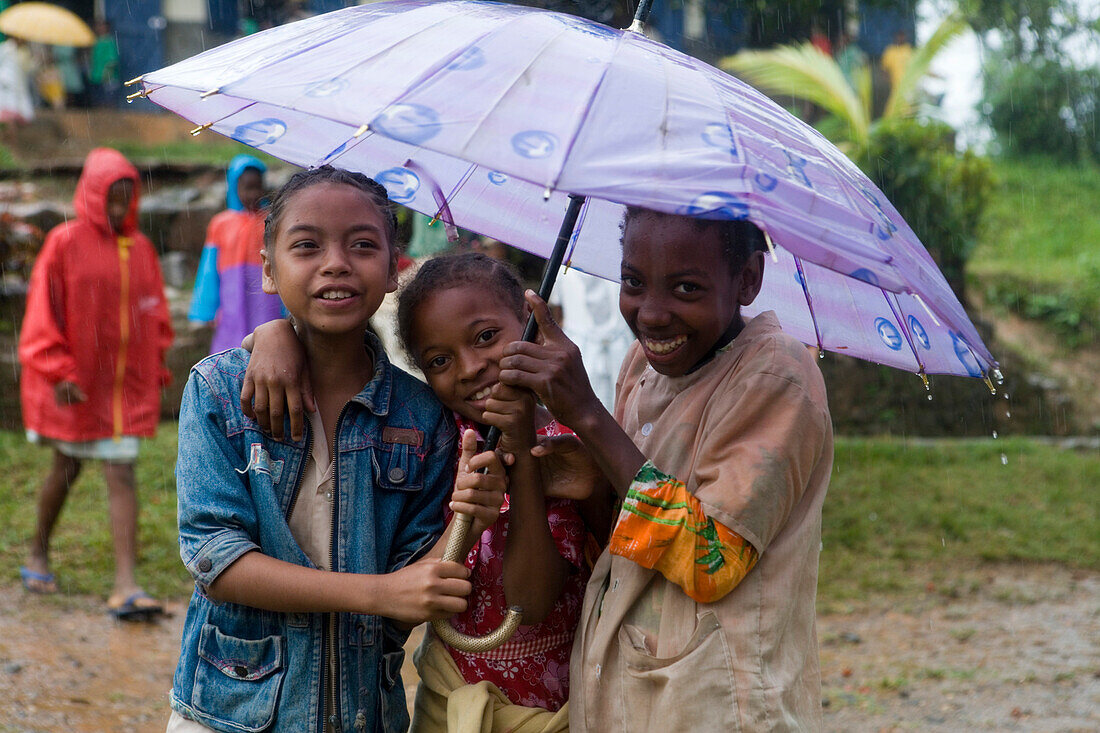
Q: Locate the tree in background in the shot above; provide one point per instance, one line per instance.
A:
(939, 191)
(1037, 98)
(804, 72)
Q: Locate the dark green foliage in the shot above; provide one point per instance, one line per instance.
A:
(1044, 107)
(941, 193)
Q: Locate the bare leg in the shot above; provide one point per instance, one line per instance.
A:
(122, 495)
(51, 498)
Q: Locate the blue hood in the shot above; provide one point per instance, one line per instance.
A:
(237, 166)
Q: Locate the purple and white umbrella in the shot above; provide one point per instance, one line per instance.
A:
(489, 115)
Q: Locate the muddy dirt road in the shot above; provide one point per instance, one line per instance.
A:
(1019, 650)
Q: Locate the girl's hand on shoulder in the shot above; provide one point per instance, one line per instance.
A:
(477, 494)
(551, 368)
(427, 590)
(276, 382)
(513, 411)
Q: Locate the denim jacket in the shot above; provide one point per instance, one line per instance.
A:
(245, 669)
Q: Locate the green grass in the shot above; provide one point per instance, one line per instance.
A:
(81, 547)
(898, 515)
(1039, 254)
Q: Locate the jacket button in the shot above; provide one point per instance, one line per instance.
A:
(397, 475)
(240, 671)
(205, 565)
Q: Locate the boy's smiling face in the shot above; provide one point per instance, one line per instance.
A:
(680, 295)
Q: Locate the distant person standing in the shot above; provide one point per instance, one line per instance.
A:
(103, 74)
(228, 288)
(92, 348)
(896, 57)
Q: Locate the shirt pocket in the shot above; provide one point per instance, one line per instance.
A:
(238, 680)
(397, 467)
(697, 683)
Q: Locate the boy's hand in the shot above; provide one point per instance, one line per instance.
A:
(568, 471)
(513, 411)
(276, 381)
(68, 393)
(427, 590)
(551, 368)
(478, 494)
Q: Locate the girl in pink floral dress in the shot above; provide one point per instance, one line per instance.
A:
(455, 317)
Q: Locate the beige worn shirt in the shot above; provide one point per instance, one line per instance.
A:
(749, 433)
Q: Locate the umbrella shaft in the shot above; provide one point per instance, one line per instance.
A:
(549, 277)
(642, 13)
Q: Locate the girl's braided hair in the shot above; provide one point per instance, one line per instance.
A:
(327, 174)
(447, 271)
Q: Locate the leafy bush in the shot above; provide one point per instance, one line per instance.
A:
(1044, 107)
(941, 193)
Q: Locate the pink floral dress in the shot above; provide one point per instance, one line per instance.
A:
(532, 668)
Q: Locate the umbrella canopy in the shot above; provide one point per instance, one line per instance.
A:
(489, 114)
(46, 23)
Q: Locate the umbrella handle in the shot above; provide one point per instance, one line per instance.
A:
(460, 527)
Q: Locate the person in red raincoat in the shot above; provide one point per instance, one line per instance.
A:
(92, 349)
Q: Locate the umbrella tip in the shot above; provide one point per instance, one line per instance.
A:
(135, 80)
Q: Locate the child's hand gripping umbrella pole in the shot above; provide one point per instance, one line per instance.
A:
(461, 522)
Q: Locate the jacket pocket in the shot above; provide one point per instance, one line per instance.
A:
(397, 467)
(693, 690)
(237, 682)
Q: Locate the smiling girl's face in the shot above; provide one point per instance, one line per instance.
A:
(458, 335)
(330, 259)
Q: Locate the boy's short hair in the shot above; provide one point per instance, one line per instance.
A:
(740, 237)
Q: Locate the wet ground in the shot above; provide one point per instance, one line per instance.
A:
(1017, 649)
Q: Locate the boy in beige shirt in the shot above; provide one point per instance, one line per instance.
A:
(700, 612)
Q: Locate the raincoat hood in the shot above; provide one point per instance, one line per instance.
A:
(102, 168)
(237, 166)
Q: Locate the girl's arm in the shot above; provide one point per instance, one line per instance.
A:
(219, 527)
(276, 382)
(534, 570)
(420, 591)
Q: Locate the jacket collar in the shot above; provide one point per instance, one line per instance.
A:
(375, 396)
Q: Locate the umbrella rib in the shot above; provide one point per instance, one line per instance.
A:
(895, 308)
(809, 300)
(586, 110)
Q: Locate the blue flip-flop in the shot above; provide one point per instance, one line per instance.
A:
(139, 606)
(46, 582)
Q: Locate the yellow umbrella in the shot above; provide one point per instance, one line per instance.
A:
(46, 23)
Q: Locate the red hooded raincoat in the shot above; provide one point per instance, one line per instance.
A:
(97, 316)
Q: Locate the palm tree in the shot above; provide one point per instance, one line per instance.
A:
(804, 72)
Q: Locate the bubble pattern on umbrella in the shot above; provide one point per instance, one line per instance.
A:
(506, 109)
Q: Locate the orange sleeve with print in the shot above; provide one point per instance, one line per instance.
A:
(662, 527)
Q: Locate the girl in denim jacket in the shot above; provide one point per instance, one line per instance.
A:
(305, 552)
